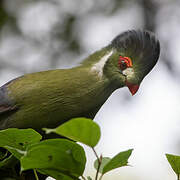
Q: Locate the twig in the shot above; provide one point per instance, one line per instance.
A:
(99, 163)
(101, 177)
(96, 155)
(35, 173)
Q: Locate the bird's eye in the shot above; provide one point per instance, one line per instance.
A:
(122, 65)
(124, 62)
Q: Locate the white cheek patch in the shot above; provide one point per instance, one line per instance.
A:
(129, 72)
(98, 67)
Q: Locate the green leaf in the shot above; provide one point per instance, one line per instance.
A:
(89, 178)
(119, 160)
(104, 161)
(8, 162)
(57, 175)
(55, 157)
(15, 139)
(174, 162)
(79, 129)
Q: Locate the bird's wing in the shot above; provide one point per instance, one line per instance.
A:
(6, 104)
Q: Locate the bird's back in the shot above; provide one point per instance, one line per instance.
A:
(47, 99)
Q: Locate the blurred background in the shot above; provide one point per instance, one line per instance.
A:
(37, 35)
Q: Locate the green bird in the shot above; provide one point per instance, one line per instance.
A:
(49, 98)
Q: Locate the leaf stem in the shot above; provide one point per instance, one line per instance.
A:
(101, 177)
(35, 174)
(96, 155)
(99, 163)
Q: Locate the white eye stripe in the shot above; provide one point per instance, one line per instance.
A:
(98, 67)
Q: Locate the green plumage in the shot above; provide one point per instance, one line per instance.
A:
(49, 98)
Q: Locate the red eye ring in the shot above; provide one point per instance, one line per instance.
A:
(124, 62)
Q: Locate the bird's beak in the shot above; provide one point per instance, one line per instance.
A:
(133, 88)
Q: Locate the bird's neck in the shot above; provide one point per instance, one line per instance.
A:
(97, 61)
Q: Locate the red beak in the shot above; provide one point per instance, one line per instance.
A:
(133, 88)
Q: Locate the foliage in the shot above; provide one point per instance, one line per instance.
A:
(85, 131)
(60, 158)
(175, 163)
(17, 140)
(108, 164)
(55, 157)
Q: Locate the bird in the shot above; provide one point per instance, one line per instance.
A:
(47, 99)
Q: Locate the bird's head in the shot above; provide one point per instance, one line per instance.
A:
(132, 56)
